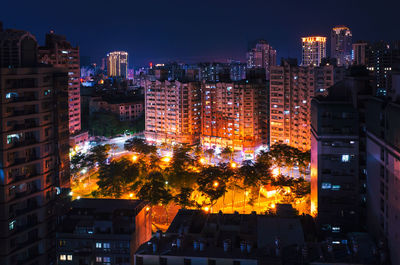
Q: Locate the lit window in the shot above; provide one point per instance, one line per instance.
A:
(69, 257)
(106, 259)
(345, 158)
(335, 187)
(98, 245)
(352, 142)
(63, 257)
(326, 186)
(99, 259)
(12, 224)
(335, 229)
(106, 245)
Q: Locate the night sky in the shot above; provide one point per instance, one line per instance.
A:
(193, 31)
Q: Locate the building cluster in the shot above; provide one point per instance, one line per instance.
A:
(196, 237)
(355, 160)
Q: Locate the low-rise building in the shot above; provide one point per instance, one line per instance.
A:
(102, 231)
(127, 109)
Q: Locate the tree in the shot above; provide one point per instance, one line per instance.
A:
(211, 183)
(97, 155)
(210, 153)
(107, 124)
(183, 198)
(226, 153)
(140, 146)
(181, 169)
(117, 178)
(78, 161)
(154, 189)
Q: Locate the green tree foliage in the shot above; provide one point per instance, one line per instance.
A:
(107, 124)
(117, 178)
(154, 189)
(140, 146)
(183, 198)
(212, 183)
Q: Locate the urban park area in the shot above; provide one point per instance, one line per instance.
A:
(180, 176)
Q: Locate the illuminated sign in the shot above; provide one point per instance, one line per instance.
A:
(314, 39)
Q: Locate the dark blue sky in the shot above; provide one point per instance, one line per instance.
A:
(203, 30)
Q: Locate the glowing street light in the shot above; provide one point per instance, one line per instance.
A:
(233, 164)
(206, 209)
(275, 172)
(273, 206)
(166, 159)
(147, 209)
(202, 160)
(134, 158)
(131, 195)
(215, 184)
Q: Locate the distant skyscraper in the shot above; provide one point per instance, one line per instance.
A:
(59, 52)
(262, 56)
(359, 56)
(341, 45)
(314, 49)
(117, 64)
(383, 60)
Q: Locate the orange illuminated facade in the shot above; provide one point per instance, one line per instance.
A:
(233, 115)
(314, 49)
(291, 89)
(172, 112)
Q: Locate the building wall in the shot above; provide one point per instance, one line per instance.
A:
(179, 260)
(341, 45)
(383, 168)
(232, 116)
(291, 90)
(334, 166)
(314, 49)
(172, 112)
(117, 64)
(34, 160)
(126, 111)
(60, 53)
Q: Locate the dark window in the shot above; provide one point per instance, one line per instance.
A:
(212, 262)
(139, 260)
(236, 262)
(187, 262)
(163, 261)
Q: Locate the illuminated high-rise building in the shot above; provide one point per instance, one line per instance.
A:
(117, 64)
(341, 45)
(233, 115)
(172, 111)
(262, 56)
(291, 89)
(59, 52)
(314, 49)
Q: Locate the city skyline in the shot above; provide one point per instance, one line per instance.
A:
(151, 34)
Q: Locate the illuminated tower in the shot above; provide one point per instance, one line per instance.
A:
(314, 49)
(261, 56)
(341, 45)
(117, 64)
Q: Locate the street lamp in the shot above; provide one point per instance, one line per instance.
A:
(233, 164)
(215, 184)
(202, 160)
(134, 158)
